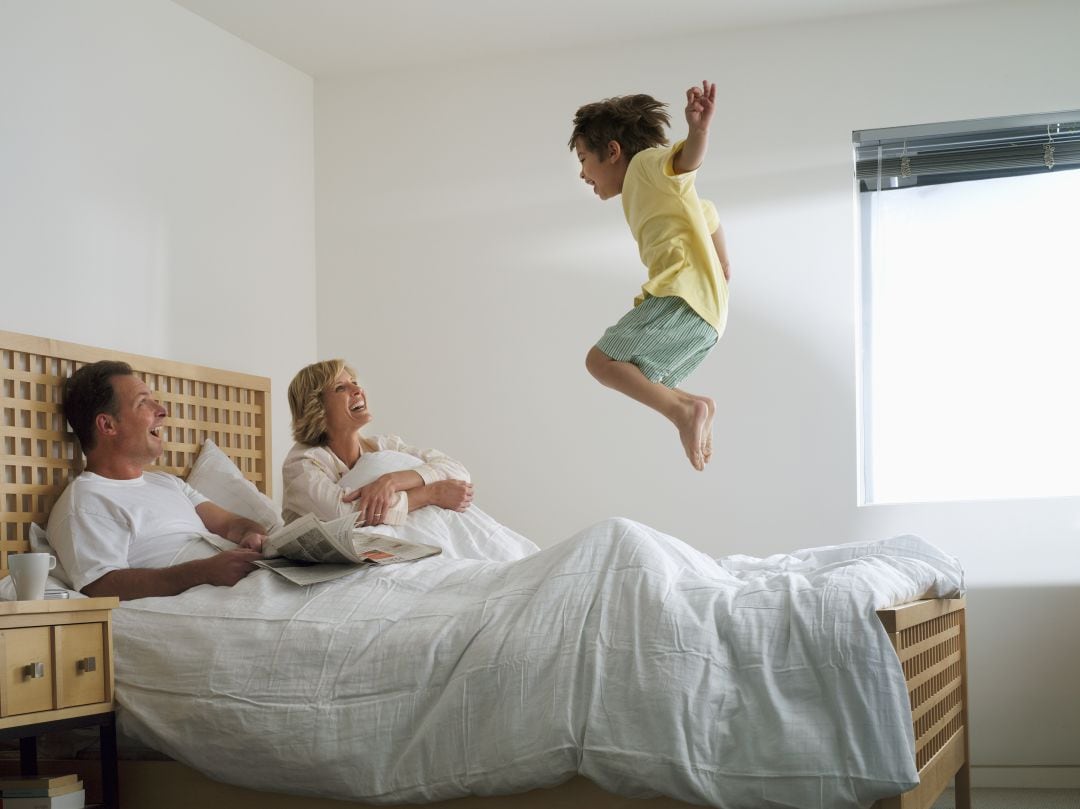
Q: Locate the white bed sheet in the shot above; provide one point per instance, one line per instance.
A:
(621, 654)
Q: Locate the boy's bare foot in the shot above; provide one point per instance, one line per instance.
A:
(691, 399)
(692, 431)
(706, 449)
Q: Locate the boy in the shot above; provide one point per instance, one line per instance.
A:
(682, 309)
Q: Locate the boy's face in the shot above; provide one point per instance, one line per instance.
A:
(604, 172)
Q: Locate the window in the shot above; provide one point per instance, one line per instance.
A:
(969, 366)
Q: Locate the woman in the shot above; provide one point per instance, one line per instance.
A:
(329, 408)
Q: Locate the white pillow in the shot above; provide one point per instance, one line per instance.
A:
(214, 475)
(39, 543)
(372, 465)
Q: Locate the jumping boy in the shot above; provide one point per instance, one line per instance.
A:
(682, 308)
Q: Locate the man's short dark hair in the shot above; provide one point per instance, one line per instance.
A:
(88, 392)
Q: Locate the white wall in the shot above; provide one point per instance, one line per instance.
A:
(156, 189)
(465, 270)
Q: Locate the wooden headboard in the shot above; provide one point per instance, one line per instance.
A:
(39, 454)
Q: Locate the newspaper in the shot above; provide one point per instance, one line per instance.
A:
(309, 551)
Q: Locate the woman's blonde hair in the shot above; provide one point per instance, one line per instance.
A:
(306, 400)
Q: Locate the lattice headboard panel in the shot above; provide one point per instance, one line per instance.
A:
(39, 455)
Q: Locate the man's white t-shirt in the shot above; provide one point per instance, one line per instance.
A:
(99, 524)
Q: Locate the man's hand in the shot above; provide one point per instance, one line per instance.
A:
(227, 568)
(244, 532)
(252, 540)
(452, 494)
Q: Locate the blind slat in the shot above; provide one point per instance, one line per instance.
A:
(911, 156)
(997, 159)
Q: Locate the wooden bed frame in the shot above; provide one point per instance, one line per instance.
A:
(38, 456)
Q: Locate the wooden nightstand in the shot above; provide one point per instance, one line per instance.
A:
(56, 673)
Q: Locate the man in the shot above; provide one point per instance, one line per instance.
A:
(116, 528)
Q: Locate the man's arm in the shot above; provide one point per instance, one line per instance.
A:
(700, 105)
(223, 569)
(244, 532)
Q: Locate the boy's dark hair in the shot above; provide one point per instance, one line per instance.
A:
(637, 122)
(88, 392)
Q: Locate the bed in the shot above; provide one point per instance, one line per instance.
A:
(233, 410)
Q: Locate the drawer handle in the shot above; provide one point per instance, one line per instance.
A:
(32, 671)
(86, 664)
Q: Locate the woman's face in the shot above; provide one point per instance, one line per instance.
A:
(346, 405)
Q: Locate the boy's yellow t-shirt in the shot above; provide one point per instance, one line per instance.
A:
(673, 229)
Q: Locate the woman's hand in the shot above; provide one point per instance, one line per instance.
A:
(452, 494)
(373, 500)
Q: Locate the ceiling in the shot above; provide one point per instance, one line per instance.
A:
(333, 37)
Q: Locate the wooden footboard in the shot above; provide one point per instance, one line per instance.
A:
(931, 641)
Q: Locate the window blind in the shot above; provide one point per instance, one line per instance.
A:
(902, 157)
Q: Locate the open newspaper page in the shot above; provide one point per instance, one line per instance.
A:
(309, 551)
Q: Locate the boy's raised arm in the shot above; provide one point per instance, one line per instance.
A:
(700, 105)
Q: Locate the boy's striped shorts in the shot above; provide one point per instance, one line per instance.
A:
(663, 337)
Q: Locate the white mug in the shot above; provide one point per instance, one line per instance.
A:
(29, 572)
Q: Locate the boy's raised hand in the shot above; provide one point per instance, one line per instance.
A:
(700, 105)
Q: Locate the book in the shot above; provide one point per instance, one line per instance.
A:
(72, 800)
(37, 781)
(309, 550)
(42, 791)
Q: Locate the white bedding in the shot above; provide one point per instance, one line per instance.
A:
(621, 654)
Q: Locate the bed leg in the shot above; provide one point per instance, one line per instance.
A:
(963, 787)
(109, 774)
(28, 763)
(962, 782)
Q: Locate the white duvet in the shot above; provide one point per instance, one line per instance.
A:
(621, 654)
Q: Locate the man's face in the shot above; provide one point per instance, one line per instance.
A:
(137, 425)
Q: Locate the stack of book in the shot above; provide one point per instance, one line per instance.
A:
(46, 792)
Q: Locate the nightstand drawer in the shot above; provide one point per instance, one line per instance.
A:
(80, 664)
(55, 660)
(28, 671)
(56, 675)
